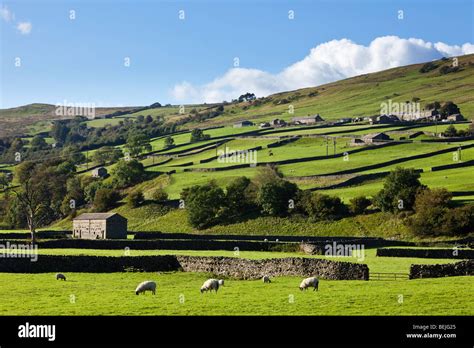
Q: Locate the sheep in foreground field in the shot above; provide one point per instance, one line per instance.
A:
(209, 285)
(60, 276)
(266, 279)
(221, 282)
(147, 285)
(309, 282)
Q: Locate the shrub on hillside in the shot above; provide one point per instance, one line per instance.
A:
(428, 67)
(105, 199)
(135, 198)
(159, 195)
(358, 205)
(434, 217)
(320, 207)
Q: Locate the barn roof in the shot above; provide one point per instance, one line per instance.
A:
(95, 216)
(374, 135)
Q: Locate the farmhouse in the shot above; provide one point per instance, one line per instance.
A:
(387, 119)
(278, 123)
(375, 138)
(372, 138)
(455, 117)
(100, 226)
(243, 124)
(100, 172)
(307, 119)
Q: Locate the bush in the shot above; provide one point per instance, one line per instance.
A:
(448, 69)
(434, 217)
(105, 199)
(323, 207)
(135, 198)
(358, 205)
(239, 198)
(428, 67)
(159, 195)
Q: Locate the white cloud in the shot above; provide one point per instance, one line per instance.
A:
(24, 27)
(327, 62)
(6, 14)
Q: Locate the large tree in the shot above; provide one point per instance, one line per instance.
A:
(399, 190)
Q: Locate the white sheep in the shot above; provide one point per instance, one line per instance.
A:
(60, 276)
(209, 285)
(221, 282)
(147, 285)
(266, 279)
(309, 282)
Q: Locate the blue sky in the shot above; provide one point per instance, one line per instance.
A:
(174, 61)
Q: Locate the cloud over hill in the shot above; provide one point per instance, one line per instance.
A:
(327, 62)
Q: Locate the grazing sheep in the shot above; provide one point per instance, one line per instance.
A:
(309, 282)
(60, 276)
(221, 282)
(209, 285)
(147, 285)
(266, 279)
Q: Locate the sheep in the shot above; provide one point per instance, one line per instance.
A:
(147, 285)
(221, 282)
(309, 282)
(209, 285)
(266, 279)
(60, 276)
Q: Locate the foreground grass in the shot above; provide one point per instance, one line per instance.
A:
(178, 294)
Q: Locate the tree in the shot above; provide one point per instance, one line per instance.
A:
(4, 181)
(59, 132)
(204, 205)
(107, 154)
(359, 204)
(38, 143)
(274, 197)
(399, 190)
(169, 142)
(105, 199)
(135, 198)
(198, 135)
(449, 108)
(450, 132)
(137, 143)
(73, 154)
(32, 197)
(247, 97)
(127, 173)
(239, 198)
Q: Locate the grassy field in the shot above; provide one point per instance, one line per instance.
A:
(178, 294)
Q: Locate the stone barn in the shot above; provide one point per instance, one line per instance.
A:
(100, 226)
(100, 172)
